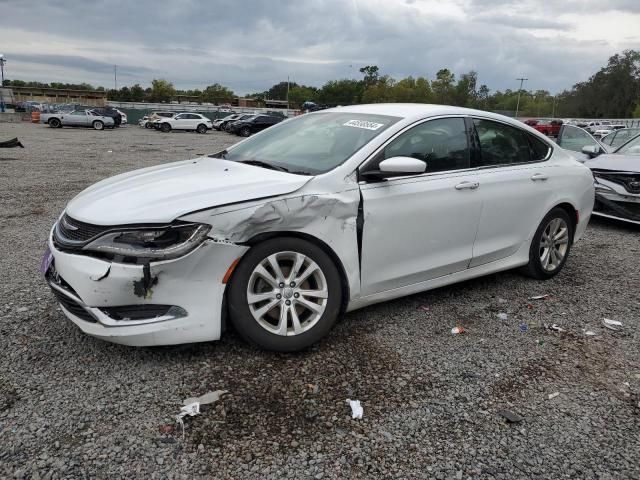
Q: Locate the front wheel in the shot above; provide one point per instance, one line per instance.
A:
(55, 123)
(202, 128)
(285, 295)
(550, 245)
(165, 127)
(98, 125)
(245, 131)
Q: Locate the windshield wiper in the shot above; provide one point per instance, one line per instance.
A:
(221, 154)
(260, 163)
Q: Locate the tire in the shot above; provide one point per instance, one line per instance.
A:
(98, 125)
(265, 328)
(245, 131)
(148, 125)
(202, 128)
(546, 262)
(55, 123)
(165, 127)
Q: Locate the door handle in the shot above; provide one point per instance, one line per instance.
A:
(467, 186)
(539, 176)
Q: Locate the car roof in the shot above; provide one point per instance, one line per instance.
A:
(417, 111)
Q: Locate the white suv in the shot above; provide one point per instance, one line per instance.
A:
(185, 121)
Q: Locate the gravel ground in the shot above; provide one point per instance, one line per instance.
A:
(75, 407)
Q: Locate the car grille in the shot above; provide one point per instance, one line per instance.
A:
(630, 181)
(73, 307)
(628, 210)
(69, 231)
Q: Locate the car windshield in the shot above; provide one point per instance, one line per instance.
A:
(312, 143)
(631, 148)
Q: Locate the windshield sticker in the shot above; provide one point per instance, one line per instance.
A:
(364, 124)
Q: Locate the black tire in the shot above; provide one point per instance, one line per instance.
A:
(165, 127)
(240, 313)
(55, 123)
(202, 128)
(535, 268)
(245, 131)
(98, 125)
(148, 125)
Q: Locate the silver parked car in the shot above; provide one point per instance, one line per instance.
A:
(77, 118)
(616, 172)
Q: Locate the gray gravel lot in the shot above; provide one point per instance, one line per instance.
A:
(75, 407)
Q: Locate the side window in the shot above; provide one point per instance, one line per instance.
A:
(501, 144)
(179, 117)
(574, 138)
(442, 144)
(539, 149)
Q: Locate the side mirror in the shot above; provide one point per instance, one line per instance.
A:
(396, 167)
(591, 150)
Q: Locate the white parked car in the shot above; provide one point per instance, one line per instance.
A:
(320, 214)
(77, 118)
(184, 121)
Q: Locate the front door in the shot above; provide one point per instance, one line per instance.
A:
(420, 227)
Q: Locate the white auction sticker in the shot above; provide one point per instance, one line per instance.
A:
(364, 124)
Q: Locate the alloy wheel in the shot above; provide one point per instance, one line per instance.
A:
(287, 293)
(554, 243)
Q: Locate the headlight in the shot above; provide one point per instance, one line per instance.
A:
(159, 243)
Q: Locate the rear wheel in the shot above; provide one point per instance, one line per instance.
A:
(550, 245)
(285, 295)
(55, 123)
(98, 125)
(245, 131)
(202, 128)
(165, 127)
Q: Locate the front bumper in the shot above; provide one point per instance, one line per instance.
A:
(88, 289)
(619, 207)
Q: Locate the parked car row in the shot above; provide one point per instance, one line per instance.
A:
(615, 163)
(550, 128)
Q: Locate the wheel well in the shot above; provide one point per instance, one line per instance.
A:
(319, 243)
(573, 216)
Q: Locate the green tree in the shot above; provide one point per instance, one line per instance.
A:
(371, 74)
(301, 93)
(137, 93)
(217, 93)
(443, 87)
(341, 92)
(161, 91)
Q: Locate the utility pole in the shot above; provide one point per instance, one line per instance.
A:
(287, 92)
(522, 80)
(2, 62)
(115, 77)
(553, 112)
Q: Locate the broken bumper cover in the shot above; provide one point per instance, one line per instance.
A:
(181, 301)
(619, 207)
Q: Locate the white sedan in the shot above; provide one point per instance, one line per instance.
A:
(185, 121)
(318, 215)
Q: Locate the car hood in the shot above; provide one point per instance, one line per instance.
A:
(163, 193)
(615, 162)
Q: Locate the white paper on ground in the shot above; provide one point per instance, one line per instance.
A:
(356, 408)
(205, 399)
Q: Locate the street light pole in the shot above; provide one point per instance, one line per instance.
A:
(2, 62)
(519, 92)
(553, 112)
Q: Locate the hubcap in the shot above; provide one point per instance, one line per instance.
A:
(553, 244)
(287, 293)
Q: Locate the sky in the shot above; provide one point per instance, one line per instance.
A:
(249, 45)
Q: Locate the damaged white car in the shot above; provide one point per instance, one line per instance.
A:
(321, 214)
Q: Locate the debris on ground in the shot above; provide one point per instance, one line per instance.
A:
(510, 416)
(524, 328)
(589, 333)
(356, 408)
(554, 327)
(312, 388)
(502, 300)
(424, 308)
(553, 395)
(165, 428)
(191, 406)
(614, 325)
(540, 297)
(503, 316)
(458, 330)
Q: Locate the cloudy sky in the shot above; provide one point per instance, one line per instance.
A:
(249, 45)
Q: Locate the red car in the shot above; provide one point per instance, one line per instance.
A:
(551, 128)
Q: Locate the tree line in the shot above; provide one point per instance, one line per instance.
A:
(613, 91)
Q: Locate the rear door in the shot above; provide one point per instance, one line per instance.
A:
(515, 183)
